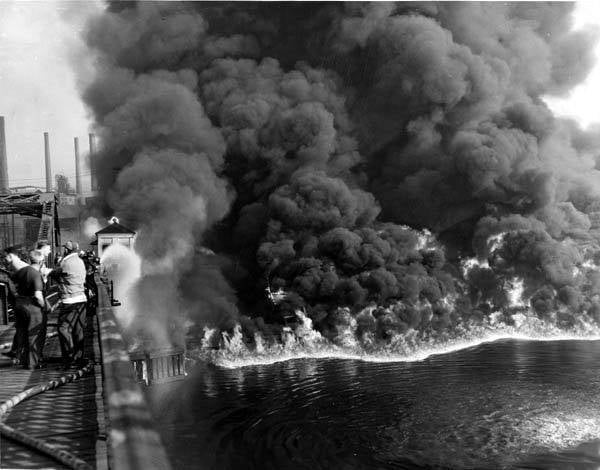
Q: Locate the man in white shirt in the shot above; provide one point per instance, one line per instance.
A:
(70, 276)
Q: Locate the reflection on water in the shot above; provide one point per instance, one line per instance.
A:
(509, 404)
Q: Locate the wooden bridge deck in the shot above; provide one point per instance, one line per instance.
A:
(71, 417)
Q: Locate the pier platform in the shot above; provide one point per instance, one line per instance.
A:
(70, 417)
(101, 418)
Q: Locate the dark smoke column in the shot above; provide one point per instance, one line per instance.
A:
(310, 134)
(159, 161)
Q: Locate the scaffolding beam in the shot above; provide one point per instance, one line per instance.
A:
(43, 206)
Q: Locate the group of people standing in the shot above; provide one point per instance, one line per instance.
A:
(29, 291)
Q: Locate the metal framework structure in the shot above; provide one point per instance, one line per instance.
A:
(33, 218)
(43, 206)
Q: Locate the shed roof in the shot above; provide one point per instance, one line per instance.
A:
(115, 227)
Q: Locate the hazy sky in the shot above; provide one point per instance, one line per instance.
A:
(582, 102)
(41, 55)
(39, 44)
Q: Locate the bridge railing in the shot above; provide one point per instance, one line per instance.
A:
(133, 442)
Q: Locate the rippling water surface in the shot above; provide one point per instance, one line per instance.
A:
(507, 404)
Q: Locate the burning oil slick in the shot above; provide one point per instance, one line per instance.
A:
(391, 169)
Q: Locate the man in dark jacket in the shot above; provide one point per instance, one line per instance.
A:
(91, 262)
(9, 294)
(30, 321)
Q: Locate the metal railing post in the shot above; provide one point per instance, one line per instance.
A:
(114, 302)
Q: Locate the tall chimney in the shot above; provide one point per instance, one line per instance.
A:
(94, 177)
(3, 160)
(78, 188)
(48, 165)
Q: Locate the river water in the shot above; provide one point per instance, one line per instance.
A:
(505, 404)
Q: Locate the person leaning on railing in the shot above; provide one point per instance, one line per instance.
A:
(70, 276)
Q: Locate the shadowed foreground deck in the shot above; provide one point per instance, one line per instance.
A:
(70, 417)
(102, 418)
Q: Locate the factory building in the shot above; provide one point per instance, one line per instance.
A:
(21, 221)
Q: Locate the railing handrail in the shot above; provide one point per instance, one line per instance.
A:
(133, 442)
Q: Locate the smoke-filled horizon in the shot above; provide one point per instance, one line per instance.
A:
(314, 147)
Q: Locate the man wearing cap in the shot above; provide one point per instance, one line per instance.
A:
(70, 276)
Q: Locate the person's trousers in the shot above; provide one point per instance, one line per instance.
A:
(92, 293)
(30, 336)
(71, 329)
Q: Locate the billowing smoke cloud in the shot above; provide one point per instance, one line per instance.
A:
(313, 147)
(122, 266)
(160, 154)
(91, 225)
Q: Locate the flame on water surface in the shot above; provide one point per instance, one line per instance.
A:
(495, 241)
(303, 341)
(276, 296)
(514, 289)
(467, 264)
(425, 239)
(348, 341)
(518, 322)
(589, 264)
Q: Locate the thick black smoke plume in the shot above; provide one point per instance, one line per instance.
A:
(301, 142)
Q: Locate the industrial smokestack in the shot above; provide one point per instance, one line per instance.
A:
(94, 178)
(48, 165)
(78, 188)
(3, 159)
